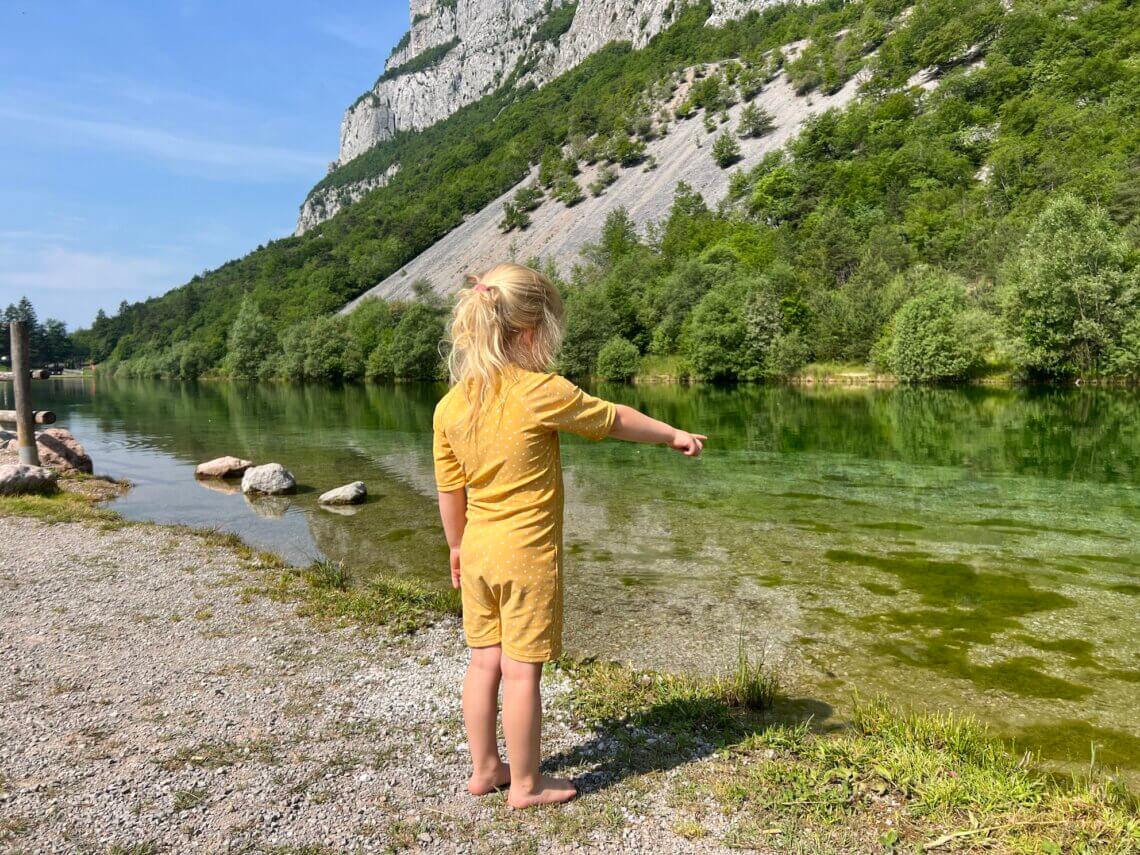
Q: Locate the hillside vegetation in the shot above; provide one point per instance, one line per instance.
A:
(990, 220)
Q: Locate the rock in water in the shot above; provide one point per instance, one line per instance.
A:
(60, 450)
(222, 467)
(349, 494)
(272, 479)
(20, 478)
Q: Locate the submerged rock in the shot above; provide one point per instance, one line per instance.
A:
(349, 494)
(59, 449)
(19, 478)
(272, 479)
(222, 467)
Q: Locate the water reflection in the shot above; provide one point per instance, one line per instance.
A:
(980, 544)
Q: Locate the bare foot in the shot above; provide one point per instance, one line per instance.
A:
(481, 785)
(550, 791)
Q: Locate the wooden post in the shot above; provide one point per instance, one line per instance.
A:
(22, 381)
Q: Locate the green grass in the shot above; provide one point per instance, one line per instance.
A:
(322, 592)
(889, 781)
(61, 507)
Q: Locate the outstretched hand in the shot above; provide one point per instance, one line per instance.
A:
(689, 444)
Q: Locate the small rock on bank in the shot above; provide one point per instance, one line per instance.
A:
(349, 494)
(19, 478)
(222, 467)
(57, 449)
(272, 479)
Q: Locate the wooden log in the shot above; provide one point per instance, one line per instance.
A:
(25, 421)
(40, 417)
(38, 374)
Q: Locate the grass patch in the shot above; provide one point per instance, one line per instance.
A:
(322, 591)
(889, 781)
(215, 755)
(189, 799)
(64, 506)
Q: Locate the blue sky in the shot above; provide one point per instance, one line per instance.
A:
(144, 142)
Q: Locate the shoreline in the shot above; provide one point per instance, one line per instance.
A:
(664, 762)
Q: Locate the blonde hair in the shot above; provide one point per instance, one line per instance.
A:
(491, 315)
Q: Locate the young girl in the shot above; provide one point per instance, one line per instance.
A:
(499, 476)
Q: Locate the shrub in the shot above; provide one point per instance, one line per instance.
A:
(618, 359)
(938, 336)
(1067, 293)
(251, 343)
(725, 150)
(415, 348)
(754, 122)
(568, 192)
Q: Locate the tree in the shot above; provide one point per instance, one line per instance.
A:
(1068, 293)
(618, 359)
(754, 122)
(250, 344)
(514, 217)
(568, 192)
(725, 150)
(937, 336)
(415, 351)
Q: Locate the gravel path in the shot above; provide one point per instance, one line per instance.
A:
(148, 705)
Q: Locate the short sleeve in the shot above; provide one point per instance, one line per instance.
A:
(448, 471)
(559, 405)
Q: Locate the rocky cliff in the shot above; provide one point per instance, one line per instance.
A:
(458, 51)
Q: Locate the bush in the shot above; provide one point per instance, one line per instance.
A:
(568, 192)
(618, 359)
(938, 336)
(415, 348)
(251, 343)
(725, 150)
(754, 122)
(1068, 293)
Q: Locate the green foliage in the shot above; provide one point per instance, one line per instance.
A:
(420, 61)
(568, 192)
(415, 347)
(936, 336)
(725, 150)
(825, 242)
(618, 359)
(251, 343)
(514, 217)
(754, 122)
(1069, 295)
(556, 23)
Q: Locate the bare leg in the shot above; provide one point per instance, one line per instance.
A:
(522, 724)
(480, 714)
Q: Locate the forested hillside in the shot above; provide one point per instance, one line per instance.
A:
(938, 230)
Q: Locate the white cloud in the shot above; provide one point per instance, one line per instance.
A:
(252, 162)
(72, 284)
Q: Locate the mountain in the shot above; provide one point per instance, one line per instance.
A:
(458, 51)
(941, 187)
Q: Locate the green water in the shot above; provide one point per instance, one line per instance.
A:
(968, 549)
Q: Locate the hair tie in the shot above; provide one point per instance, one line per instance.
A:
(479, 286)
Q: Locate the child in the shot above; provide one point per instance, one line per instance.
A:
(500, 497)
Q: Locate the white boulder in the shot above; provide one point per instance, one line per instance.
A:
(272, 479)
(222, 467)
(349, 494)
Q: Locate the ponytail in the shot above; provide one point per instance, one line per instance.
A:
(490, 325)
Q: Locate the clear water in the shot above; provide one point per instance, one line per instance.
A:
(969, 549)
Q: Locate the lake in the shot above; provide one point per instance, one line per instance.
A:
(973, 549)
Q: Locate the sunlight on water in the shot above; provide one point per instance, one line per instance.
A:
(978, 549)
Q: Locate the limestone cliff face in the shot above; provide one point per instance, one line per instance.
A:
(458, 51)
(488, 38)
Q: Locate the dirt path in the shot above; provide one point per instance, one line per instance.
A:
(149, 705)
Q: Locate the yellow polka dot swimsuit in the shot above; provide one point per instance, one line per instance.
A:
(509, 461)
